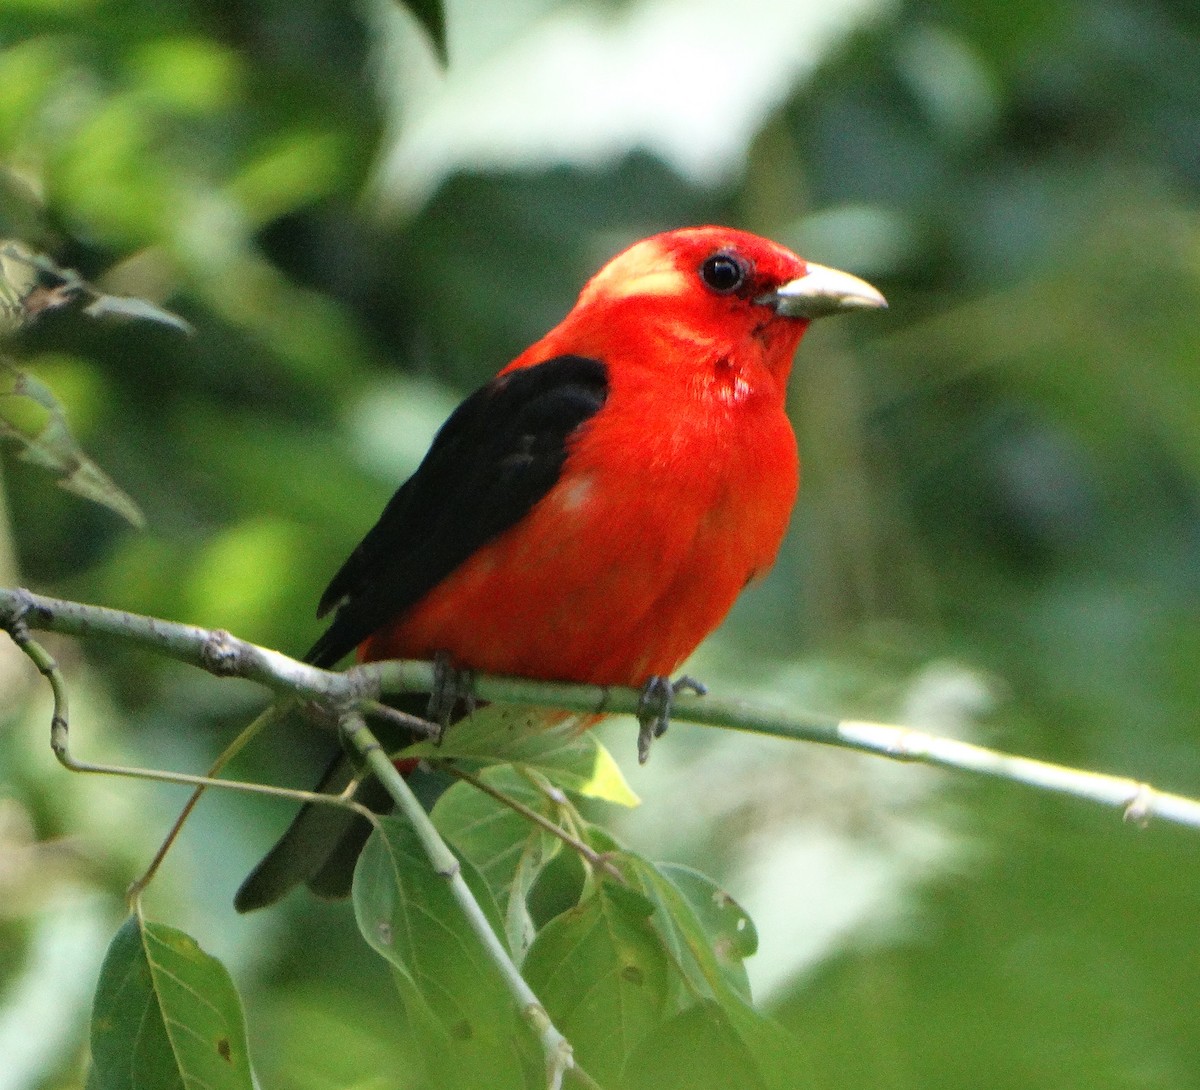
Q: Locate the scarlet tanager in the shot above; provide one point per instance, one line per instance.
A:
(592, 512)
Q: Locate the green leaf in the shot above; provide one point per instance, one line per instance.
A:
(432, 17)
(552, 742)
(602, 974)
(604, 778)
(729, 930)
(697, 1049)
(33, 418)
(444, 1062)
(776, 1053)
(486, 831)
(560, 886)
(505, 732)
(166, 1015)
(508, 850)
(409, 916)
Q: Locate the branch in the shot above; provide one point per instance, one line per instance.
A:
(226, 656)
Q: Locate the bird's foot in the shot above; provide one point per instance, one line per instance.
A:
(452, 696)
(654, 708)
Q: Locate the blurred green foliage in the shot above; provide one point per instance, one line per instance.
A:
(1004, 471)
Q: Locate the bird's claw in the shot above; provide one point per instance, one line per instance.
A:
(654, 708)
(452, 696)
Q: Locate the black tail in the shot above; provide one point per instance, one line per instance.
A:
(323, 842)
(309, 843)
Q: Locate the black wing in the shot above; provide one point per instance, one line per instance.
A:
(499, 453)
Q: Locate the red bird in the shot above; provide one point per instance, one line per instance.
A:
(591, 513)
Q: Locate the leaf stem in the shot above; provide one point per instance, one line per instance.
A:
(593, 857)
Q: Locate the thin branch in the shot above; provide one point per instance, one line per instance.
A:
(226, 656)
(1139, 802)
(214, 650)
(268, 716)
(414, 724)
(48, 667)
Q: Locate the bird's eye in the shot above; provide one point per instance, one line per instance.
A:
(724, 272)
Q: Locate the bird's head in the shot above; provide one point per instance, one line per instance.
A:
(741, 295)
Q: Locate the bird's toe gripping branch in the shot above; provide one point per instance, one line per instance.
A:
(654, 708)
(453, 694)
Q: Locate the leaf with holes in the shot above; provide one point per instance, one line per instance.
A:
(166, 1015)
(707, 936)
(708, 966)
(730, 931)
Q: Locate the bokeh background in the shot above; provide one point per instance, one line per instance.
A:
(998, 536)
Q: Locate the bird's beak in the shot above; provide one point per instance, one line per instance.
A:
(822, 291)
